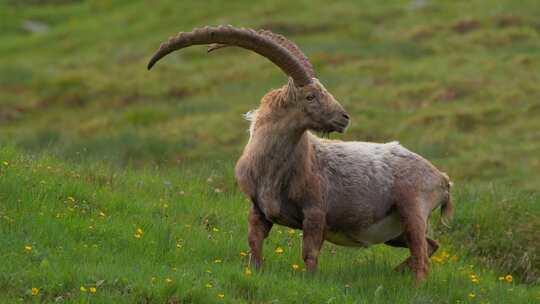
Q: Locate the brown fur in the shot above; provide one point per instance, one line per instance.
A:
(282, 171)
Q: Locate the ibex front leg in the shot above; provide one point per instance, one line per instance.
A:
(258, 229)
(313, 226)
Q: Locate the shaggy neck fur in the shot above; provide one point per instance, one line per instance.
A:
(279, 148)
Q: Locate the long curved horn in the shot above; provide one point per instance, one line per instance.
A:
(245, 38)
(284, 42)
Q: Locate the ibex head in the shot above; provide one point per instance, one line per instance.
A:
(316, 108)
(304, 98)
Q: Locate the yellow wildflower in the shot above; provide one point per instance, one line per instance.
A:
(137, 236)
(208, 285)
(82, 289)
(279, 250)
(28, 248)
(168, 280)
(34, 290)
(208, 271)
(509, 278)
(472, 295)
(247, 271)
(501, 278)
(291, 231)
(93, 289)
(139, 231)
(295, 266)
(178, 245)
(221, 296)
(218, 261)
(474, 280)
(102, 214)
(243, 253)
(215, 229)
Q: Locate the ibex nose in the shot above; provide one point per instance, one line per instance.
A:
(346, 116)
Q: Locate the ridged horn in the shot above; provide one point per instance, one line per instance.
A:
(284, 42)
(245, 38)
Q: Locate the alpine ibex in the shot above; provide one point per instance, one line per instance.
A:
(348, 193)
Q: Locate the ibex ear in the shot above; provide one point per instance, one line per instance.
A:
(291, 90)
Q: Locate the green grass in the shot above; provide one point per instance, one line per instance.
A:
(81, 224)
(80, 117)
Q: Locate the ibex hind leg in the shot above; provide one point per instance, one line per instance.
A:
(414, 225)
(401, 241)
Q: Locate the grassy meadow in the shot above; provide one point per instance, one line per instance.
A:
(116, 184)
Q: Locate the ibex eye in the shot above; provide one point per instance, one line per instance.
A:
(310, 97)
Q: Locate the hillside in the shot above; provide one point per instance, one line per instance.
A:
(85, 130)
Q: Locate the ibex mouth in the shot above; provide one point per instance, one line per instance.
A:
(339, 125)
(341, 129)
(336, 127)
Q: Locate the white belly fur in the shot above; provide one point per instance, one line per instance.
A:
(380, 232)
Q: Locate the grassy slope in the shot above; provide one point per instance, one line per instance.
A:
(457, 83)
(454, 82)
(81, 225)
